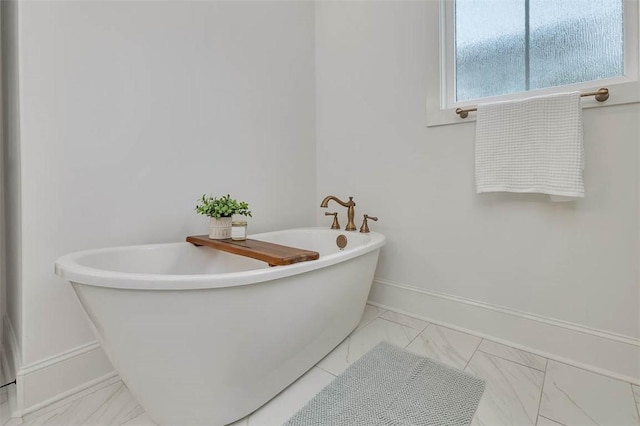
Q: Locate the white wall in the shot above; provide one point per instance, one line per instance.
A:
(3, 236)
(575, 262)
(132, 110)
(11, 173)
(129, 111)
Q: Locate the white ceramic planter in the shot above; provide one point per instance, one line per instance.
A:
(220, 229)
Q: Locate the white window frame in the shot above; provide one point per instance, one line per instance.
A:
(441, 103)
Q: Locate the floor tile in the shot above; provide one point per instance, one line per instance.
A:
(512, 354)
(573, 396)
(5, 408)
(363, 340)
(404, 320)
(370, 313)
(111, 405)
(443, 344)
(543, 421)
(288, 402)
(512, 391)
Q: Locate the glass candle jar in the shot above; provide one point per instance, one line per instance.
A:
(239, 230)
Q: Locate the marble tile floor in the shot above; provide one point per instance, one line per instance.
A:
(522, 388)
(5, 408)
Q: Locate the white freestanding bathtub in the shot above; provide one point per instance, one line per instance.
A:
(205, 337)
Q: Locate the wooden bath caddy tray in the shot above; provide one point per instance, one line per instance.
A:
(273, 254)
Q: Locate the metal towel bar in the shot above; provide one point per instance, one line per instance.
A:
(601, 95)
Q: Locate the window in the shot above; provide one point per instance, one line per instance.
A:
(508, 46)
(505, 49)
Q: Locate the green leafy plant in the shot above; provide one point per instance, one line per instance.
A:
(224, 206)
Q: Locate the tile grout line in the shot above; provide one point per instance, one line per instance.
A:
(405, 325)
(326, 371)
(551, 420)
(465, 370)
(544, 380)
(358, 328)
(473, 354)
(417, 335)
(396, 323)
(510, 360)
(633, 394)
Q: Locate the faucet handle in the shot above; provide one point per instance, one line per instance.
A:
(365, 226)
(335, 224)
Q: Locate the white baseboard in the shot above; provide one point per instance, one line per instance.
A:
(58, 377)
(600, 351)
(74, 393)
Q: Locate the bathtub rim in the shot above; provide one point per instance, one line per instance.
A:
(69, 268)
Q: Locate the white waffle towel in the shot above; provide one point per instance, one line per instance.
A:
(531, 145)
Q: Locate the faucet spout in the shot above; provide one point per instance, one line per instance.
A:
(351, 211)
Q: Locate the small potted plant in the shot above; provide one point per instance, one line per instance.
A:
(220, 210)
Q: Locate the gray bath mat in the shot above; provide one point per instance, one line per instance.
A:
(390, 386)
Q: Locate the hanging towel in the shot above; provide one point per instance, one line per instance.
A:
(531, 145)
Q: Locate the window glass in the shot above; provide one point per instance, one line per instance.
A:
(508, 46)
(490, 48)
(574, 41)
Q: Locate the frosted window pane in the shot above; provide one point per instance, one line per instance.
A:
(490, 43)
(572, 41)
(569, 41)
